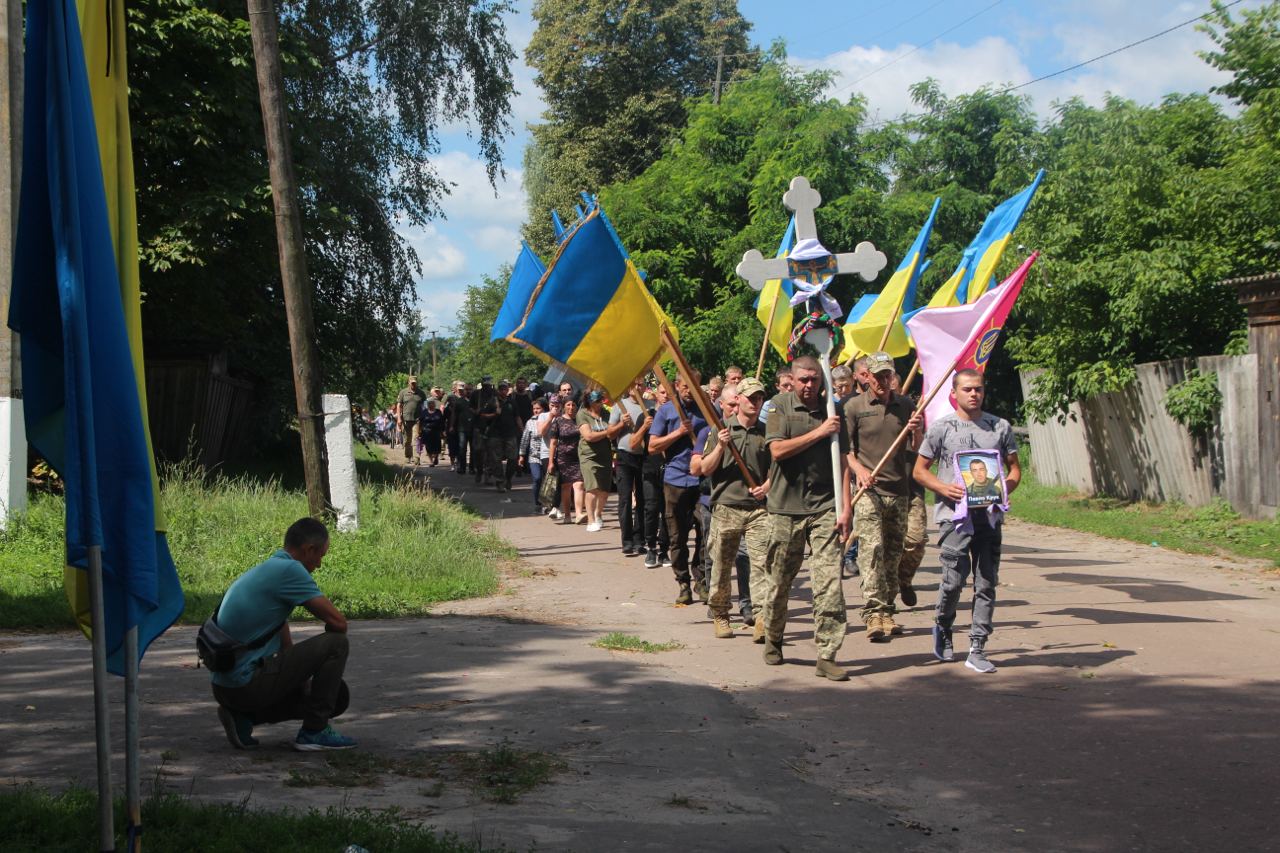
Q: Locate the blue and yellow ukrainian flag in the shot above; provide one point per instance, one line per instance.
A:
(864, 334)
(976, 271)
(592, 312)
(775, 298)
(75, 303)
(525, 275)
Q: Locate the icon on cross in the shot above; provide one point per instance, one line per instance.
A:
(865, 260)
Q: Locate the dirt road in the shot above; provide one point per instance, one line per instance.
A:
(1135, 708)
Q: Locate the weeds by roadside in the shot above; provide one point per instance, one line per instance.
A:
(38, 820)
(619, 642)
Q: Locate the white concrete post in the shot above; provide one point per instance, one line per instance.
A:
(340, 443)
(13, 434)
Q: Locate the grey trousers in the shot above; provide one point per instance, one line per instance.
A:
(303, 682)
(962, 553)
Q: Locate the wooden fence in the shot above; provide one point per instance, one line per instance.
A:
(193, 406)
(1124, 443)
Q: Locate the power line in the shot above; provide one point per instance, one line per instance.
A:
(1120, 49)
(919, 47)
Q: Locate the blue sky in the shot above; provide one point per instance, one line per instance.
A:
(878, 49)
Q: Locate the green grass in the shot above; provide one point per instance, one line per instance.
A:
(36, 820)
(413, 548)
(1215, 529)
(620, 642)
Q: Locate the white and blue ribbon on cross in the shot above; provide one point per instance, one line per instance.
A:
(811, 267)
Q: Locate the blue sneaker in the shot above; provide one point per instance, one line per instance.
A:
(239, 728)
(328, 738)
(942, 648)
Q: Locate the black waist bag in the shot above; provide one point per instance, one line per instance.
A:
(218, 650)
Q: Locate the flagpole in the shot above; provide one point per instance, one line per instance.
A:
(768, 334)
(132, 787)
(101, 714)
(911, 375)
(704, 405)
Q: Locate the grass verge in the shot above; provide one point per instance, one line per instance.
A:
(413, 548)
(620, 642)
(38, 820)
(1215, 529)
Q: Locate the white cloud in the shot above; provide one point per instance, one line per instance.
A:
(499, 243)
(440, 258)
(472, 199)
(438, 306)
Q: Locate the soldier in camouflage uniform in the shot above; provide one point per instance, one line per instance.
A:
(802, 507)
(737, 510)
(873, 422)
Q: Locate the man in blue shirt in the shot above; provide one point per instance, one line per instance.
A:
(671, 436)
(280, 680)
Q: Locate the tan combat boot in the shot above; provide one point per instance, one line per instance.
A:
(828, 669)
(724, 631)
(890, 626)
(758, 632)
(875, 627)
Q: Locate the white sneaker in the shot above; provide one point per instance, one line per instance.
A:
(595, 527)
(555, 514)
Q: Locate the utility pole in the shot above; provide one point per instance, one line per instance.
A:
(264, 30)
(715, 98)
(434, 367)
(13, 435)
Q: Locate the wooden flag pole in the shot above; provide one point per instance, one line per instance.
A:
(911, 375)
(897, 442)
(675, 400)
(768, 334)
(704, 404)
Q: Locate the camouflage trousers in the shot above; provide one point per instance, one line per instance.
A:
(881, 524)
(787, 537)
(729, 524)
(913, 544)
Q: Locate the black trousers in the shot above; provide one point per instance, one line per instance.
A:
(631, 518)
(655, 531)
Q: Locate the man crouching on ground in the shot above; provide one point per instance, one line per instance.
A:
(280, 680)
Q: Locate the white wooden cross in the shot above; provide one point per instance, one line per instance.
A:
(865, 260)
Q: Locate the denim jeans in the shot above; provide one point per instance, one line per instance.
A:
(536, 469)
(963, 553)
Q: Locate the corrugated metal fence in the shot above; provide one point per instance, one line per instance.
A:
(1124, 443)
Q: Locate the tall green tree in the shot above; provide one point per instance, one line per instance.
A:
(617, 76)
(690, 216)
(369, 85)
(471, 353)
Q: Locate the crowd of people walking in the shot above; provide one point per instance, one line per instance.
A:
(747, 502)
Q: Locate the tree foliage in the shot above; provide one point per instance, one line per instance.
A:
(617, 76)
(471, 353)
(368, 86)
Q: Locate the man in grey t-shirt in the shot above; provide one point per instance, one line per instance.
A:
(964, 549)
(632, 442)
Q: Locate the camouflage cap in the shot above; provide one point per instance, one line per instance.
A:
(878, 362)
(750, 386)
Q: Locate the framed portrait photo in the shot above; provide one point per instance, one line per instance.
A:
(982, 473)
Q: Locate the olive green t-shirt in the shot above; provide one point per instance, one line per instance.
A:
(803, 484)
(410, 401)
(870, 430)
(727, 484)
(599, 451)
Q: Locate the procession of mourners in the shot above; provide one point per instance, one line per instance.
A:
(737, 507)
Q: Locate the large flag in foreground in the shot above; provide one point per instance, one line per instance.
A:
(775, 298)
(75, 302)
(525, 275)
(974, 274)
(864, 334)
(964, 336)
(592, 311)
